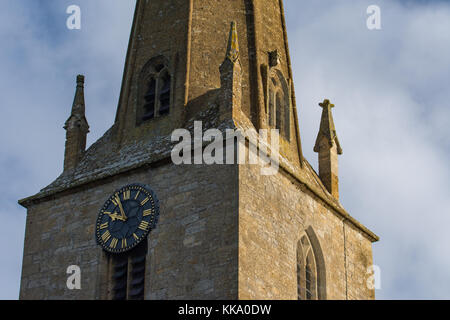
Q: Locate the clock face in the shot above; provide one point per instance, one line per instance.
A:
(127, 218)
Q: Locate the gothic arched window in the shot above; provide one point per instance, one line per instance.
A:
(155, 93)
(279, 104)
(310, 268)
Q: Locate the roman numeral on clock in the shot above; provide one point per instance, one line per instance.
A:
(126, 195)
(144, 201)
(147, 212)
(114, 242)
(106, 236)
(144, 225)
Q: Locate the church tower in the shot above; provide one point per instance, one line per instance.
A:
(141, 226)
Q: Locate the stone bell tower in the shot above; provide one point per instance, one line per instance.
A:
(225, 231)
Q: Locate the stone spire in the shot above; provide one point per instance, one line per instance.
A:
(76, 128)
(328, 147)
(191, 40)
(231, 76)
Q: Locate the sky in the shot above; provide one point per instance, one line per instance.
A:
(390, 88)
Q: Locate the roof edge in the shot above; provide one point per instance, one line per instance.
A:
(41, 196)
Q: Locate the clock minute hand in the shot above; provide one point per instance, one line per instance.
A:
(121, 208)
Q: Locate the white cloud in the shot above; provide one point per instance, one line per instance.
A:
(39, 67)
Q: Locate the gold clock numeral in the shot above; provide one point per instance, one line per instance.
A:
(144, 201)
(126, 195)
(116, 199)
(124, 243)
(147, 212)
(106, 236)
(144, 225)
(104, 225)
(114, 242)
(135, 236)
(137, 195)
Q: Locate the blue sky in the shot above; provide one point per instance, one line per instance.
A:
(390, 88)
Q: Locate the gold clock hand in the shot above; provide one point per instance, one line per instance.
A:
(121, 208)
(114, 216)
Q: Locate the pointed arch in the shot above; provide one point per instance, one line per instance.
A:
(311, 275)
(155, 90)
(279, 103)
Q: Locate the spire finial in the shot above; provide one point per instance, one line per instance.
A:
(327, 128)
(326, 103)
(233, 44)
(76, 128)
(80, 80)
(328, 147)
(78, 105)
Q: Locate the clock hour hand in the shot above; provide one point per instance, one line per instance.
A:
(114, 216)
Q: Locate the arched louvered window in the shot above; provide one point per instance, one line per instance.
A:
(128, 275)
(310, 269)
(155, 93)
(120, 277)
(279, 111)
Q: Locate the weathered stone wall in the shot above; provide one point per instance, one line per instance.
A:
(160, 29)
(274, 212)
(192, 252)
(359, 258)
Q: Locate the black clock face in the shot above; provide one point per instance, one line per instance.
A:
(127, 218)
